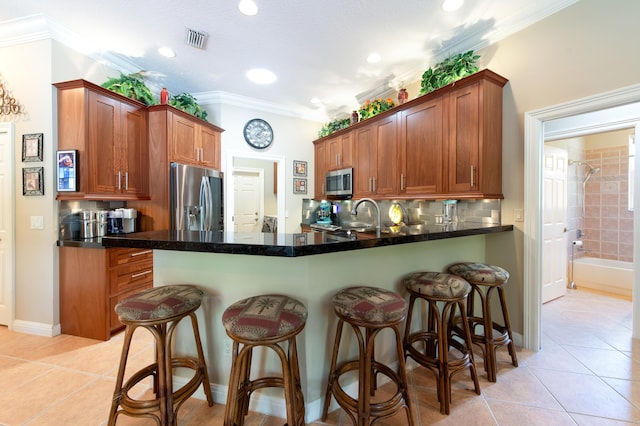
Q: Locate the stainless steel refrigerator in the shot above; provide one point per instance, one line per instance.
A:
(196, 198)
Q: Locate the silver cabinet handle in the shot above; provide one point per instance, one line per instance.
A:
(126, 181)
(140, 274)
(140, 253)
(119, 180)
(472, 177)
(374, 184)
(401, 181)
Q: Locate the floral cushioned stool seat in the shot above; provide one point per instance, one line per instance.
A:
(370, 309)
(267, 320)
(437, 346)
(159, 310)
(485, 279)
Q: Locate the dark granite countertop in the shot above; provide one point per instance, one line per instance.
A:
(289, 245)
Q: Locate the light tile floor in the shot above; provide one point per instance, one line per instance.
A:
(588, 373)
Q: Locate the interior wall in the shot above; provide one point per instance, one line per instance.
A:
(553, 61)
(292, 140)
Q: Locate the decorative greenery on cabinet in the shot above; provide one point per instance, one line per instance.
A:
(188, 104)
(132, 86)
(449, 71)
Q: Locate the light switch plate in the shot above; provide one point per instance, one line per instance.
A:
(37, 222)
(518, 215)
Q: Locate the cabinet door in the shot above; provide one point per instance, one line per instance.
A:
(320, 168)
(387, 161)
(340, 151)
(103, 142)
(133, 154)
(464, 139)
(209, 148)
(422, 149)
(183, 140)
(365, 161)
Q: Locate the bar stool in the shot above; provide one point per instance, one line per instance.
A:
(159, 310)
(267, 320)
(437, 347)
(372, 309)
(484, 280)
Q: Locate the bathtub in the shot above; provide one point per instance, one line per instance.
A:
(612, 276)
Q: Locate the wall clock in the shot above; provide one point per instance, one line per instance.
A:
(258, 133)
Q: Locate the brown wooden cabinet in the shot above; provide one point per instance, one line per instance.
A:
(110, 133)
(193, 141)
(445, 144)
(174, 136)
(93, 281)
(340, 151)
(422, 149)
(320, 168)
(376, 158)
(474, 136)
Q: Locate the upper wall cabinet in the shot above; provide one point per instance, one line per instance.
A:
(110, 133)
(190, 139)
(445, 144)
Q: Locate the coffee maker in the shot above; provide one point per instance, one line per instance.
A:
(324, 214)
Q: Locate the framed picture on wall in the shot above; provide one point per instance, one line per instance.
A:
(32, 147)
(67, 177)
(299, 186)
(299, 168)
(33, 181)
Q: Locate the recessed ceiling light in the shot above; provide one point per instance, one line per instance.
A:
(451, 5)
(374, 58)
(261, 76)
(248, 7)
(167, 52)
(315, 100)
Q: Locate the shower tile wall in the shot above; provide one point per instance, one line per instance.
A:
(608, 223)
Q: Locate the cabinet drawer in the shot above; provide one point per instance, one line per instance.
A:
(125, 277)
(122, 256)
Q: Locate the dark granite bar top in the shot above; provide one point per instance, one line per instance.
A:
(290, 245)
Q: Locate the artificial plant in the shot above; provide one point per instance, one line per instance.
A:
(448, 71)
(188, 104)
(132, 86)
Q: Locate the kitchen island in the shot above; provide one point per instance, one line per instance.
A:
(309, 266)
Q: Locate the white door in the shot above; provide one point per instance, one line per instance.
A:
(248, 196)
(554, 223)
(6, 224)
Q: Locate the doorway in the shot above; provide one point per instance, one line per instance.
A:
(248, 193)
(607, 111)
(7, 233)
(270, 164)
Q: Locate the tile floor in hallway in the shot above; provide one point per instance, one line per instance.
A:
(588, 373)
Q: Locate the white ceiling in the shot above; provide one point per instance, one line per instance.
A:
(317, 48)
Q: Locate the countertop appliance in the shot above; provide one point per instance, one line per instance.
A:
(196, 198)
(324, 214)
(339, 183)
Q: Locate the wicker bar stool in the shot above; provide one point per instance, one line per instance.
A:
(268, 320)
(485, 280)
(372, 309)
(159, 310)
(437, 347)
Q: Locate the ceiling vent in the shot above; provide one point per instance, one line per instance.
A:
(195, 38)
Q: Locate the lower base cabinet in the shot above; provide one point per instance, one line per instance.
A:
(93, 281)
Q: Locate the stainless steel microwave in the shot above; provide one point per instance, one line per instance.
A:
(339, 183)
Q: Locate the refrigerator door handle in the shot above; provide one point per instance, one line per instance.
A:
(205, 203)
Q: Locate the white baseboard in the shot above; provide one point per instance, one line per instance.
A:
(36, 328)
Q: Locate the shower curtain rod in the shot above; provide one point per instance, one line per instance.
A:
(579, 162)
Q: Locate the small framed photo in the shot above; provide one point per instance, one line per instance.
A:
(32, 147)
(33, 181)
(299, 168)
(67, 177)
(299, 186)
(300, 239)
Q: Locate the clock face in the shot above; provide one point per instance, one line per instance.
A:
(258, 133)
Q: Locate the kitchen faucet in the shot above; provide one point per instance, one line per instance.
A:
(362, 200)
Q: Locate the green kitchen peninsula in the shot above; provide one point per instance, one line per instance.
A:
(231, 266)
